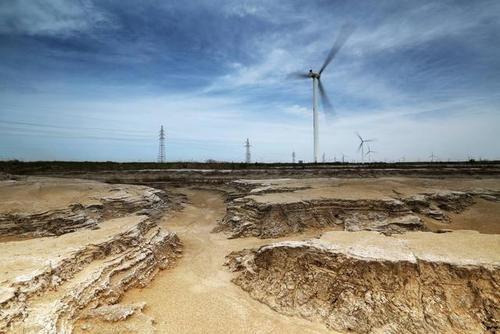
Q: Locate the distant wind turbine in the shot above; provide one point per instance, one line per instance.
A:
(369, 153)
(344, 34)
(343, 157)
(361, 146)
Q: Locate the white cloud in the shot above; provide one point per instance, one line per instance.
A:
(422, 24)
(49, 17)
(203, 125)
(297, 110)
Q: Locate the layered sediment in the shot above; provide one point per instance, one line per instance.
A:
(365, 282)
(267, 210)
(50, 297)
(48, 283)
(36, 207)
(247, 217)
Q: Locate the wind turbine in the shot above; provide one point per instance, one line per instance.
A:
(361, 146)
(369, 153)
(344, 34)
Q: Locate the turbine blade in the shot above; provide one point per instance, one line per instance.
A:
(342, 37)
(360, 146)
(357, 134)
(298, 75)
(327, 105)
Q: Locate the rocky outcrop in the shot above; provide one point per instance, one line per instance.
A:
(247, 217)
(241, 188)
(436, 205)
(368, 283)
(57, 221)
(50, 282)
(52, 298)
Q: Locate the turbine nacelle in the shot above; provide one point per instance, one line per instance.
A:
(314, 74)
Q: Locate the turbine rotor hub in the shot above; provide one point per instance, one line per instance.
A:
(314, 74)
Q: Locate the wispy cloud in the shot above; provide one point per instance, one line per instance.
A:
(49, 17)
(215, 73)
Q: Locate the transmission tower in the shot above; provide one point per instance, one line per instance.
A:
(247, 156)
(161, 149)
(293, 157)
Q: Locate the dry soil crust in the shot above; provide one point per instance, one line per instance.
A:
(197, 295)
(365, 282)
(273, 208)
(47, 283)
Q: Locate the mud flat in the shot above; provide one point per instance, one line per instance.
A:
(104, 241)
(365, 282)
(273, 208)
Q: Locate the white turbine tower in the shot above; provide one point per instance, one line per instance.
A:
(361, 146)
(344, 34)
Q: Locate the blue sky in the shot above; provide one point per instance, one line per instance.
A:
(94, 80)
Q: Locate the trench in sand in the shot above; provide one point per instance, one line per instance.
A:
(197, 295)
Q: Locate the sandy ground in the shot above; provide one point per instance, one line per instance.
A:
(197, 296)
(483, 216)
(41, 194)
(24, 257)
(457, 247)
(365, 188)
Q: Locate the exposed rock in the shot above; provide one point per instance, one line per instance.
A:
(273, 208)
(247, 217)
(435, 205)
(48, 283)
(241, 188)
(366, 283)
(90, 276)
(109, 201)
(112, 313)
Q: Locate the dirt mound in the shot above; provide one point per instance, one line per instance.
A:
(365, 282)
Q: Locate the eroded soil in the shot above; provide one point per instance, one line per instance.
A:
(365, 282)
(273, 208)
(197, 296)
(75, 247)
(98, 246)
